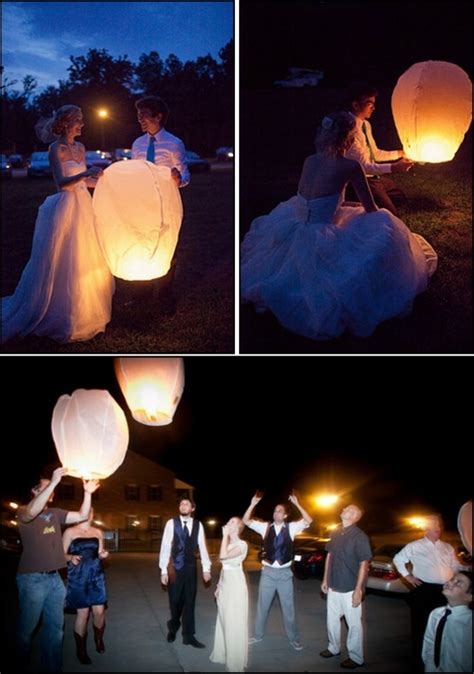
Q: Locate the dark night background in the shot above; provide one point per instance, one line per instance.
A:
(389, 433)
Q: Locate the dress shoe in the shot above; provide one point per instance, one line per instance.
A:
(192, 641)
(350, 664)
(327, 654)
(171, 637)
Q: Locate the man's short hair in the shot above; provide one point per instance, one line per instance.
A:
(155, 105)
(358, 92)
(186, 498)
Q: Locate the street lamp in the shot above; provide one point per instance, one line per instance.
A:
(102, 114)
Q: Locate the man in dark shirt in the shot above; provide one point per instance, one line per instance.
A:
(344, 579)
(40, 588)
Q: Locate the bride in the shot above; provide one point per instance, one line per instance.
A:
(322, 267)
(65, 291)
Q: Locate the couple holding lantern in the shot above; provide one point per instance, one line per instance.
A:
(65, 291)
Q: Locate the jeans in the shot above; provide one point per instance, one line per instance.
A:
(42, 594)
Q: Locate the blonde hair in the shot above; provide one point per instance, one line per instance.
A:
(49, 128)
(333, 132)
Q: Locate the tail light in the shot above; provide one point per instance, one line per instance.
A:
(384, 574)
(315, 558)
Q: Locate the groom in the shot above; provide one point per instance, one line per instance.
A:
(365, 151)
(163, 149)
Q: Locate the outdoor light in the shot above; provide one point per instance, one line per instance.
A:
(103, 113)
(90, 433)
(432, 107)
(152, 387)
(13, 505)
(326, 500)
(416, 521)
(138, 213)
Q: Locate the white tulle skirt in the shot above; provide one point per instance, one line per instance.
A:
(320, 279)
(65, 291)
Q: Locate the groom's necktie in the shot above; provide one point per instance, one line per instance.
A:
(150, 153)
(367, 142)
(439, 635)
(186, 530)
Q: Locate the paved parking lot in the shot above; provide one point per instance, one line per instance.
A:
(135, 637)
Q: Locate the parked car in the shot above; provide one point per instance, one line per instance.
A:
(197, 164)
(225, 154)
(39, 165)
(6, 167)
(300, 77)
(122, 154)
(10, 542)
(98, 158)
(383, 575)
(309, 556)
(16, 160)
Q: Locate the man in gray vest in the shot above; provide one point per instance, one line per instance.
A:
(277, 576)
(181, 537)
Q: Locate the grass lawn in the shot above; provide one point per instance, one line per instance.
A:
(439, 208)
(204, 282)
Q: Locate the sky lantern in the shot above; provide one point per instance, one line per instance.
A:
(432, 108)
(138, 212)
(90, 432)
(152, 387)
(465, 525)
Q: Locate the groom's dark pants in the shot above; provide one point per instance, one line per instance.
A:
(384, 191)
(182, 598)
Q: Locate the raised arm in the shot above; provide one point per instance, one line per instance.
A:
(83, 513)
(307, 518)
(37, 504)
(247, 516)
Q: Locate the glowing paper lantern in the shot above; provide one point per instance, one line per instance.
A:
(152, 387)
(138, 213)
(90, 433)
(432, 107)
(465, 525)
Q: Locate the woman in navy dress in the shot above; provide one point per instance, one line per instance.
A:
(84, 549)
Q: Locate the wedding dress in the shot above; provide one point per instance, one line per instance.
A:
(65, 291)
(322, 268)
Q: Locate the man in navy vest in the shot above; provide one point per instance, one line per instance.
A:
(181, 538)
(277, 575)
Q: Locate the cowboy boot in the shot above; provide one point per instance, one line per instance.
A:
(81, 649)
(98, 638)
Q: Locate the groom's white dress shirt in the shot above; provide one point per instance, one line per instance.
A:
(167, 541)
(169, 151)
(360, 152)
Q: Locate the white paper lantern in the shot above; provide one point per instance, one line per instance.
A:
(465, 525)
(138, 213)
(152, 387)
(90, 432)
(432, 108)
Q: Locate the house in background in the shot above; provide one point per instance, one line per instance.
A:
(132, 505)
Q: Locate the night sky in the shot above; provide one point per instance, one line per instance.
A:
(368, 428)
(39, 37)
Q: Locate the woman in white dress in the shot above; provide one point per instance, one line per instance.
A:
(323, 267)
(231, 635)
(65, 291)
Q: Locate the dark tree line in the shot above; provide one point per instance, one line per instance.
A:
(200, 95)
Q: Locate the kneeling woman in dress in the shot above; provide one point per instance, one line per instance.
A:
(322, 267)
(84, 549)
(231, 637)
(65, 291)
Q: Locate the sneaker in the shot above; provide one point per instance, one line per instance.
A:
(254, 640)
(297, 645)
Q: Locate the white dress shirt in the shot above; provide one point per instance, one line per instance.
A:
(456, 642)
(167, 540)
(169, 151)
(261, 528)
(432, 562)
(360, 152)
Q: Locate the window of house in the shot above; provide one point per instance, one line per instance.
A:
(155, 522)
(132, 492)
(154, 492)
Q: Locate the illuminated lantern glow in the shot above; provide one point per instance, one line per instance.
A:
(152, 387)
(138, 213)
(465, 525)
(90, 432)
(432, 108)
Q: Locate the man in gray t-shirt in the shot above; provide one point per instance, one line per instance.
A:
(345, 573)
(41, 591)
